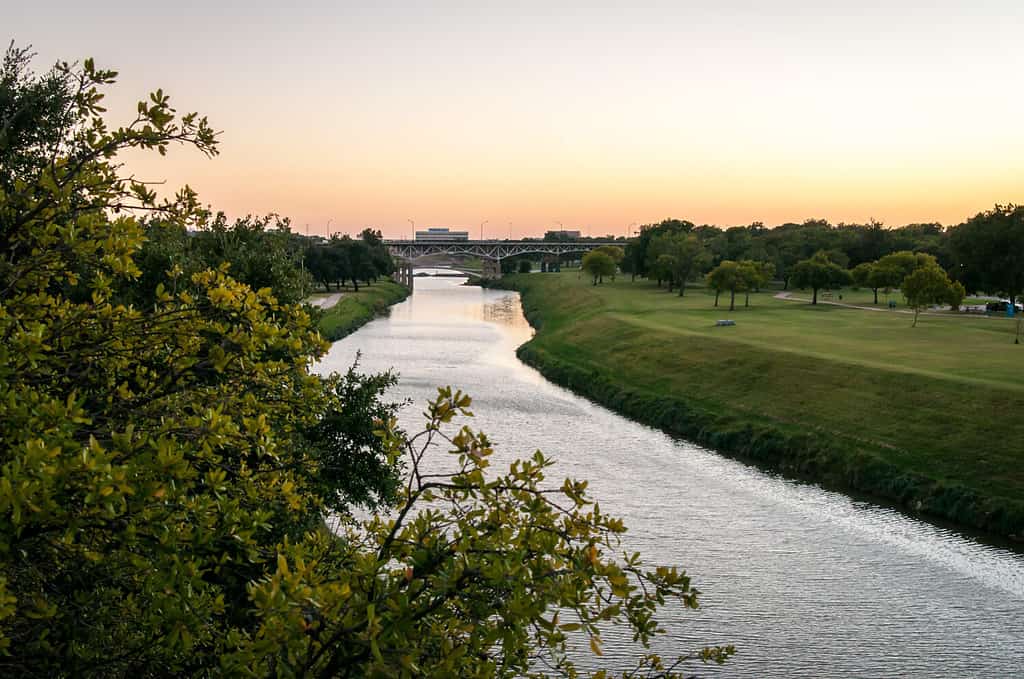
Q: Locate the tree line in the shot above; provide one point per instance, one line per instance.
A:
(983, 254)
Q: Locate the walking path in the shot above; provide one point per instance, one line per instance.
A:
(788, 296)
(325, 301)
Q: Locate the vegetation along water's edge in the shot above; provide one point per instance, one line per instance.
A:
(939, 447)
(356, 309)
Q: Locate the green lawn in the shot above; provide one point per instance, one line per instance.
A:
(944, 399)
(358, 308)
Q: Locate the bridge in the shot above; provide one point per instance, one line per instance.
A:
(490, 251)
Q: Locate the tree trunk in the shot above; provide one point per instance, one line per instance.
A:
(595, 280)
(746, 301)
(732, 300)
(785, 283)
(682, 288)
(914, 324)
(876, 295)
(814, 298)
(717, 293)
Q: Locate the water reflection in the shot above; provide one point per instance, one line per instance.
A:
(806, 582)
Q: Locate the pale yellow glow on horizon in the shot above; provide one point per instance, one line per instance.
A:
(722, 113)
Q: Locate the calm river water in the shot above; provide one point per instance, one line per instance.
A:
(805, 582)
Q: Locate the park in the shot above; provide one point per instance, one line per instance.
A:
(923, 416)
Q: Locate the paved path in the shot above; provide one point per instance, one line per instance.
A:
(788, 296)
(327, 301)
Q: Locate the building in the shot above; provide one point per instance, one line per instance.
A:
(562, 234)
(441, 235)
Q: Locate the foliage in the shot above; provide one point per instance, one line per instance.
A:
(598, 265)
(472, 575)
(617, 255)
(353, 467)
(927, 286)
(343, 258)
(729, 276)
(755, 275)
(261, 252)
(819, 272)
(165, 471)
(957, 292)
(988, 250)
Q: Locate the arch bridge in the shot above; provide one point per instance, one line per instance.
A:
(490, 251)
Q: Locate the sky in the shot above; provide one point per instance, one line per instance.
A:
(538, 116)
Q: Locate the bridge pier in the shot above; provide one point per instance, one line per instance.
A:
(491, 268)
(403, 273)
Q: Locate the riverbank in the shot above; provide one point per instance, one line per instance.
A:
(924, 417)
(356, 309)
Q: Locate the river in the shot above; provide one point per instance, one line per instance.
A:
(805, 582)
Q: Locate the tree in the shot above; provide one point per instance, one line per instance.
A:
(687, 257)
(616, 253)
(525, 266)
(819, 272)
(162, 492)
(727, 276)
(755, 275)
(598, 265)
(957, 292)
(988, 251)
(926, 286)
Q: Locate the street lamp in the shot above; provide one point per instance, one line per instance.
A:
(413, 228)
(329, 226)
(482, 229)
(510, 230)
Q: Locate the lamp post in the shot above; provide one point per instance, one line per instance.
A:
(510, 230)
(482, 229)
(329, 226)
(413, 228)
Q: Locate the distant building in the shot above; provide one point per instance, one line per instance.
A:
(562, 235)
(441, 234)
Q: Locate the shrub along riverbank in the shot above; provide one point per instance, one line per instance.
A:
(925, 417)
(356, 309)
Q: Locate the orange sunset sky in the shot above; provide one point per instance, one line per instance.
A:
(595, 117)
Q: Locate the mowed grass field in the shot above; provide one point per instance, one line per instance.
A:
(944, 400)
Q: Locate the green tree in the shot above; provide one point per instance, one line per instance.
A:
(926, 286)
(755, 276)
(819, 272)
(688, 257)
(598, 265)
(162, 501)
(957, 292)
(616, 253)
(728, 276)
(988, 251)
(861, 275)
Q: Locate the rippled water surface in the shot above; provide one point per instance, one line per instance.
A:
(805, 582)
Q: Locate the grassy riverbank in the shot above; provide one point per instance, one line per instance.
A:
(356, 309)
(929, 417)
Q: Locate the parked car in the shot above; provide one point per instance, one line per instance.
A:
(1002, 305)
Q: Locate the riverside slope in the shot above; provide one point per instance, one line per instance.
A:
(356, 309)
(937, 444)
